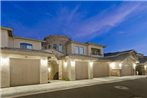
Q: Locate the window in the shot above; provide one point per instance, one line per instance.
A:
(49, 46)
(61, 48)
(54, 46)
(78, 50)
(26, 46)
(95, 51)
(81, 50)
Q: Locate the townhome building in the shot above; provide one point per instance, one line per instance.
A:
(25, 61)
(78, 60)
(142, 68)
(22, 62)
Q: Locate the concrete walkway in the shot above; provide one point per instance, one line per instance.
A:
(60, 85)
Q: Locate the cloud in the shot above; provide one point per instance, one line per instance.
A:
(75, 22)
(111, 18)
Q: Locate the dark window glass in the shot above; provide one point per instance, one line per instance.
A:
(26, 46)
(61, 48)
(55, 46)
(95, 51)
(49, 46)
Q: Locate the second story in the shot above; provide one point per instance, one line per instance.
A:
(8, 40)
(85, 49)
(66, 46)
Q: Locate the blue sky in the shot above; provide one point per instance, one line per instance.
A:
(118, 25)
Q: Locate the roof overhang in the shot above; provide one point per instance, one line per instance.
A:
(27, 52)
(10, 30)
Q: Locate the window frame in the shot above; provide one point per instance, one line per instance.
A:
(25, 45)
(78, 50)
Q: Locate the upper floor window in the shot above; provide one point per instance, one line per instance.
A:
(95, 51)
(26, 46)
(60, 48)
(54, 46)
(81, 50)
(78, 50)
(49, 46)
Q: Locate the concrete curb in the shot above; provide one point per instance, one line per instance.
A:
(62, 85)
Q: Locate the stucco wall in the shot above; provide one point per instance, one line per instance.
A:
(3, 38)
(79, 45)
(5, 68)
(55, 39)
(98, 47)
(36, 44)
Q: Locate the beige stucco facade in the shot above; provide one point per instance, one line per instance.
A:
(50, 63)
(7, 40)
(8, 55)
(87, 48)
(15, 62)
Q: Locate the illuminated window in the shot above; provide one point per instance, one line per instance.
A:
(26, 46)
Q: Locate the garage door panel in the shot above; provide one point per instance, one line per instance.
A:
(81, 70)
(127, 70)
(24, 71)
(100, 70)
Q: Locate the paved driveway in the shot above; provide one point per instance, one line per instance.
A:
(127, 89)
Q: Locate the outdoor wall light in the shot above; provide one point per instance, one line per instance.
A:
(44, 62)
(49, 69)
(91, 63)
(134, 66)
(4, 61)
(145, 67)
(65, 64)
(120, 65)
(112, 65)
(72, 63)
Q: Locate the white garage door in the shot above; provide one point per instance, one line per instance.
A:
(127, 70)
(24, 71)
(100, 69)
(81, 69)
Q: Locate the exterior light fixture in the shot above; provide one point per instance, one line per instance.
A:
(4, 61)
(65, 64)
(120, 65)
(112, 65)
(91, 63)
(134, 66)
(145, 67)
(72, 63)
(49, 69)
(44, 62)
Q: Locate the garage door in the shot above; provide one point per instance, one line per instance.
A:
(24, 71)
(127, 70)
(100, 69)
(81, 69)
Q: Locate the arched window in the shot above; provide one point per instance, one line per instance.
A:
(26, 46)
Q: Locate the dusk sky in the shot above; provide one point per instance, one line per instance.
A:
(118, 25)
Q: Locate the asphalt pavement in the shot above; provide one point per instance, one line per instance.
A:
(126, 89)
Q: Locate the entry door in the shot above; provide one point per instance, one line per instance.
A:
(81, 69)
(24, 71)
